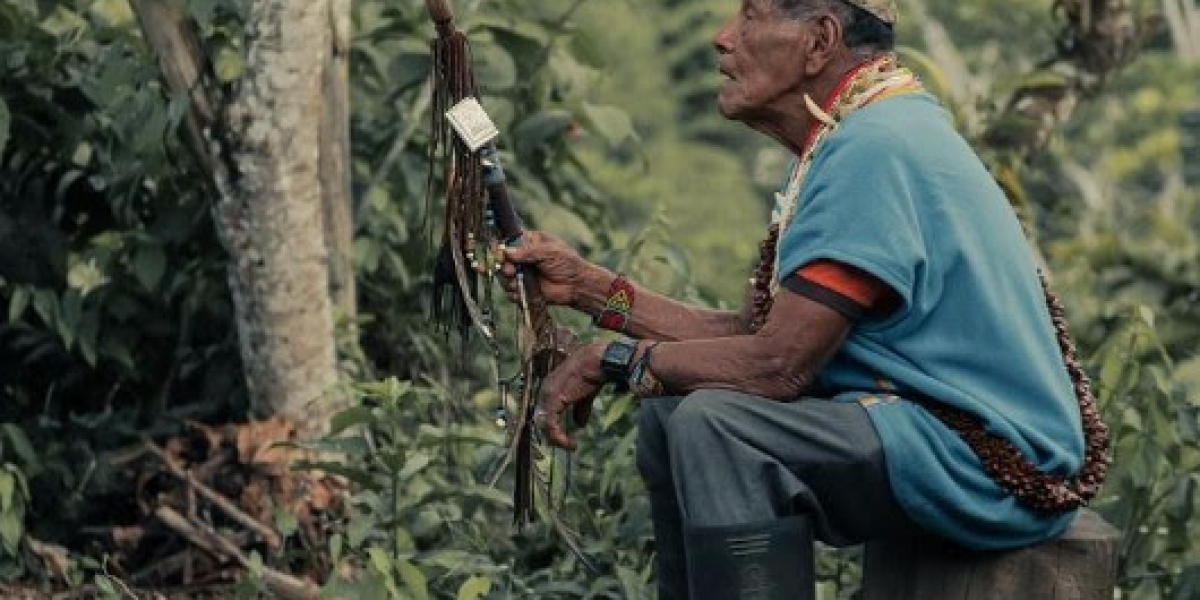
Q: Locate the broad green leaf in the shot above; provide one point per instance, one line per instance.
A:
(11, 530)
(380, 560)
(474, 588)
(616, 409)
(570, 75)
(539, 128)
(413, 579)
(528, 32)
(115, 12)
(16, 439)
(494, 68)
(366, 253)
(415, 463)
(389, 389)
(72, 308)
(359, 529)
(17, 303)
(351, 417)
(613, 124)
(453, 560)
(408, 68)
(149, 265)
(8, 485)
(63, 22)
(45, 304)
(88, 334)
(104, 584)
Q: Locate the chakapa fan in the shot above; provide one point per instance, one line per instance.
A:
(479, 212)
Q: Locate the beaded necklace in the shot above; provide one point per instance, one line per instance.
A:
(874, 80)
(870, 82)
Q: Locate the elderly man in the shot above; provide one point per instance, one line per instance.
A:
(895, 369)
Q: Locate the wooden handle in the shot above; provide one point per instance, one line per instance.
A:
(439, 10)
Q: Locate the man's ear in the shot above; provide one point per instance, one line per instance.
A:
(823, 45)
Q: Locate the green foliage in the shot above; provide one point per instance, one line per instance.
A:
(115, 319)
(125, 304)
(426, 523)
(1151, 493)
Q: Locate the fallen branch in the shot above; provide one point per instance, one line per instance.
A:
(269, 535)
(281, 584)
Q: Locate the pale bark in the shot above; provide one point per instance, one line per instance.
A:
(270, 214)
(263, 151)
(1183, 21)
(335, 163)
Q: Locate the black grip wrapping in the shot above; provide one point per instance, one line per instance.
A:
(508, 222)
(507, 219)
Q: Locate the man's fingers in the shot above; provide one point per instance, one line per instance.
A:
(520, 254)
(555, 433)
(548, 418)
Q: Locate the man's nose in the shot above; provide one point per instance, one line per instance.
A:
(723, 41)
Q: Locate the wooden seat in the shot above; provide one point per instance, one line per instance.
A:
(1080, 565)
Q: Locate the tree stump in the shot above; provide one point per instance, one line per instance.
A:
(1080, 565)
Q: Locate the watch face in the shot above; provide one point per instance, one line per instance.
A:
(617, 356)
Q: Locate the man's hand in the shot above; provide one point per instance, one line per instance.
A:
(575, 384)
(562, 273)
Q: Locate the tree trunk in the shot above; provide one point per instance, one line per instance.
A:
(264, 152)
(1183, 21)
(335, 165)
(271, 214)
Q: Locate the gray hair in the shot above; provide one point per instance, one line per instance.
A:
(864, 33)
(802, 9)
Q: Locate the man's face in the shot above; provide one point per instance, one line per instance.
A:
(761, 53)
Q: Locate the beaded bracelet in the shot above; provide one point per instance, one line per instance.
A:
(618, 306)
(642, 382)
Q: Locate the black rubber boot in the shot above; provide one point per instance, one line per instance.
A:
(762, 561)
(670, 563)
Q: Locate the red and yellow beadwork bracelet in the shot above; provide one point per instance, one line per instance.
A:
(618, 306)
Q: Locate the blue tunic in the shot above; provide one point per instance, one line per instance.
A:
(896, 191)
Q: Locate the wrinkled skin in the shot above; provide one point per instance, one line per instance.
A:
(772, 61)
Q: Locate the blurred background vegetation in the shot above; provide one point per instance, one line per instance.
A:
(116, 323)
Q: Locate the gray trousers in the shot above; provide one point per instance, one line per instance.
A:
(718, 458)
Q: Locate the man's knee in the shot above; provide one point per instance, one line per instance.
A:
(702, 413)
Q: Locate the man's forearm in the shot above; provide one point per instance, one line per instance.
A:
(780, 361)
(656, 317)
(743, 363)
